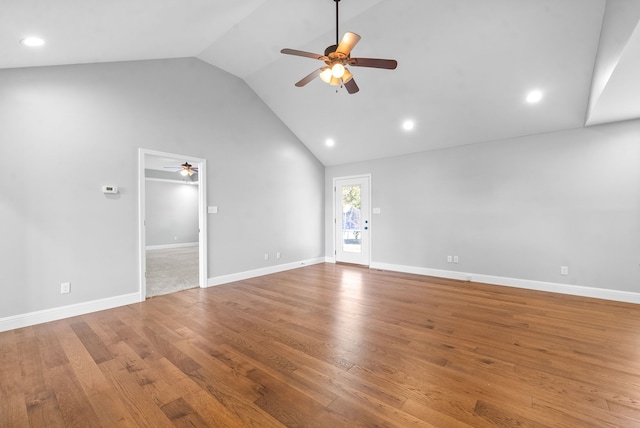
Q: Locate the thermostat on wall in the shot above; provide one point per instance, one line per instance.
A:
(109, 189)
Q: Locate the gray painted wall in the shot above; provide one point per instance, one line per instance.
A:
(171, 213)
(66, 131)
(518, 208)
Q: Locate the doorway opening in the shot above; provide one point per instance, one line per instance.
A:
(352, 237)
(172, 222)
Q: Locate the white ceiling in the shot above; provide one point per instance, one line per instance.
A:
(464, 69)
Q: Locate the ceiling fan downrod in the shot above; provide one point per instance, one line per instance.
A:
(337, 32)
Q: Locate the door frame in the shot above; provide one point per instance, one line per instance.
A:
(201, 164)
(368, 214)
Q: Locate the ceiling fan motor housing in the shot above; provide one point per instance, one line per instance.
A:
(330, 49)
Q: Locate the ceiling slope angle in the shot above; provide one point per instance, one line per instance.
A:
(465, 66)
(255, 41)
(464, 69)
(615, 89)
(95, 31)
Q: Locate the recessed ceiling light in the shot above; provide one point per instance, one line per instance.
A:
(32, 42)
(534, 96)
(329, 142)
(408, 125)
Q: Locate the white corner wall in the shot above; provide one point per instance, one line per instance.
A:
(513, 211)
(66, 131)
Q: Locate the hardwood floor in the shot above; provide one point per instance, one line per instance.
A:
(331, 346)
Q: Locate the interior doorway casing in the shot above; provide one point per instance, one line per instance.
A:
(202, 215)
(363, 257)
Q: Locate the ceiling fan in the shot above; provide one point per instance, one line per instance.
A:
(185, 169)
(337, 57)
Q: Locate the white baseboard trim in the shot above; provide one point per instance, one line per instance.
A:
(225, 279)
(168, 246)
(552, 287)
(54, 314)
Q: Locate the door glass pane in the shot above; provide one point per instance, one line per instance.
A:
(351, 231)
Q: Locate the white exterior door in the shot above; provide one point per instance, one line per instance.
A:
(352, 224)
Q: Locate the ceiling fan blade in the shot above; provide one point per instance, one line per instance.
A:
(389, 64)
(346, 76)
(351, 86)
(295, 52)
(309, 77)
(347, 43)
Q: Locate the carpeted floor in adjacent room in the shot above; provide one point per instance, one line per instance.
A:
(171, 270)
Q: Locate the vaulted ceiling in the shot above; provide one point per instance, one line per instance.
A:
(465, 66)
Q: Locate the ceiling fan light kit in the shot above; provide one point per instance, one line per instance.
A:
(337, 57)
(185, 169)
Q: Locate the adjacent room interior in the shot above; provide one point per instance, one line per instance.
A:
(171, 224)
(207, 221)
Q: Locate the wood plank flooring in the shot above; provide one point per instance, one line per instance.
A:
(331, 346)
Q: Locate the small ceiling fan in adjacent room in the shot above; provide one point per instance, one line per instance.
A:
(184, 169)
(337, 57)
